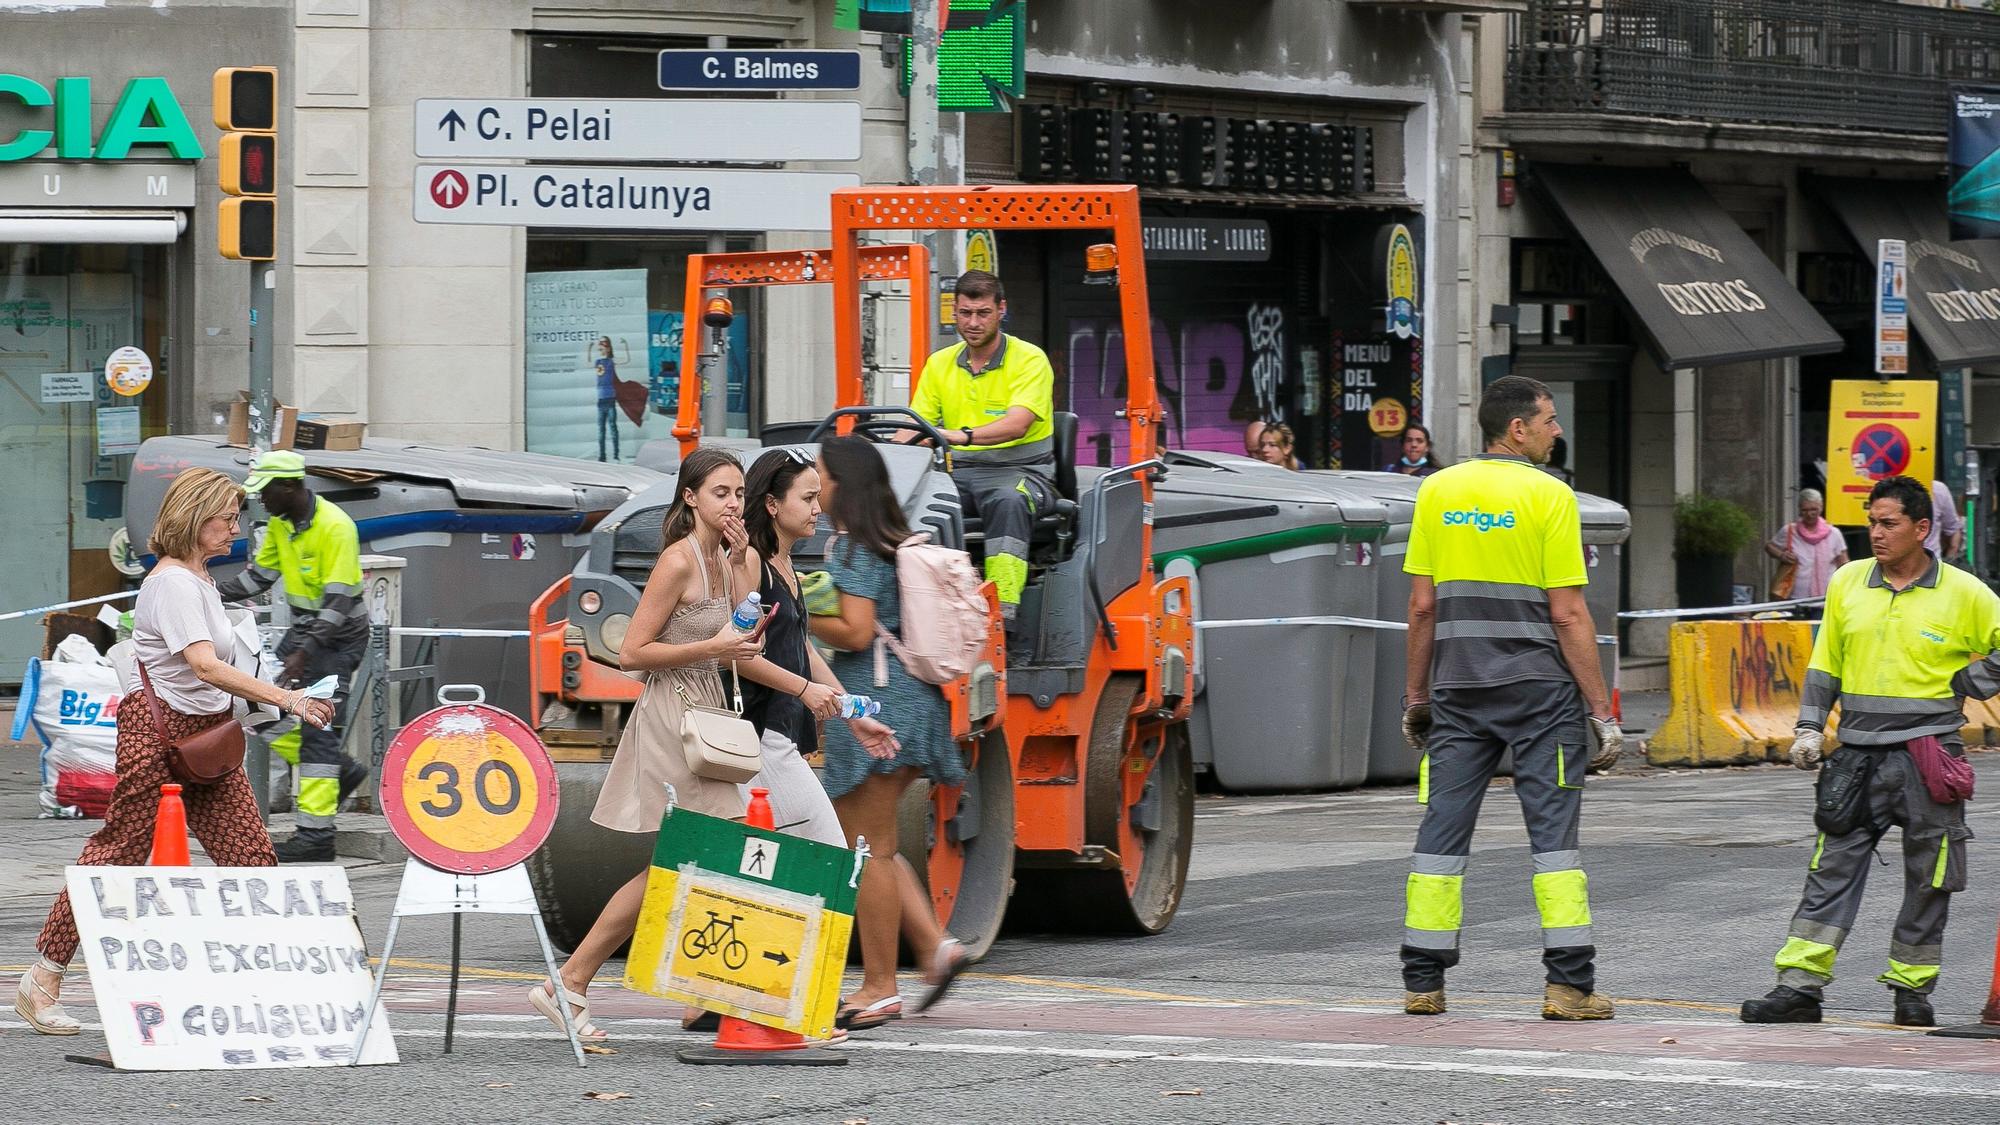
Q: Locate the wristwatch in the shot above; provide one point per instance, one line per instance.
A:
(968, 436)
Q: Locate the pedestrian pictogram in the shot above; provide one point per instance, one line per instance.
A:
(760, 858)
(449, 189)
(469, 788)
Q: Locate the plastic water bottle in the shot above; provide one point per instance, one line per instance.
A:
(747, 612)
(857, 706)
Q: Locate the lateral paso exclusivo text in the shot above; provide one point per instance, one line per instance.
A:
(226, 968)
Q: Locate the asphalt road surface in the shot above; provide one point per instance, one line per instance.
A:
(1274, 997)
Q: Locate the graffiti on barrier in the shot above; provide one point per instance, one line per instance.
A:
(1760, 669)
(1212, 374)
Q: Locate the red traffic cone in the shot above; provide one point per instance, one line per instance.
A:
(170, 830)
(740, 1042)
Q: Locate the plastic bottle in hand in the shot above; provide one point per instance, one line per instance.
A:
(747, 612)
(857, 706)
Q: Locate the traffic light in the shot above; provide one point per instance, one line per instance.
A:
(246, 109)
(1098, 137)
(1045, 144)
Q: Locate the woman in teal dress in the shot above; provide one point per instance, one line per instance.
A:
(866, 769)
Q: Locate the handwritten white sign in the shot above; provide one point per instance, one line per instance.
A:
(226, 968)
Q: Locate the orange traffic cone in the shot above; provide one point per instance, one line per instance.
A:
(740, 1042)
(170, 830)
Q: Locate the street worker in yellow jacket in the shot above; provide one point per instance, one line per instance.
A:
(1503, 656)
(993, 396)
(314, 547)
(1894, 650)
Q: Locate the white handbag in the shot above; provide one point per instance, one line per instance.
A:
(720, 745)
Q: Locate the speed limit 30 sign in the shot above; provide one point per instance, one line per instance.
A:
(469, 789)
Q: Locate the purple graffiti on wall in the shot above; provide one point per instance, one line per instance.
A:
(1213, 376)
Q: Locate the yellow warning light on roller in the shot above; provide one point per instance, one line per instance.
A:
(718, 313)
(1100, 264)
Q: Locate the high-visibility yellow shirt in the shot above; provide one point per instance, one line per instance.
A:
(1496, 534)
(326, 553)
(1896, 661)
(951, 397)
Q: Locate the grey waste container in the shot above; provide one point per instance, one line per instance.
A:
(484, 532)
(1606, 525)
(1275, 695)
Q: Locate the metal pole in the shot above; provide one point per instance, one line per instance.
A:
(937, 147)
(714, 371)
(451, 1000)
(263, 418)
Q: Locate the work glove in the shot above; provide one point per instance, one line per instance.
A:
(1417, 725)
(1610, 743)
(1808, 747)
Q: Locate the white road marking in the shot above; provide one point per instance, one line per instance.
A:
(1896, 1071)
(1668, 1060)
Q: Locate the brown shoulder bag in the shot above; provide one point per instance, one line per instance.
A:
(202, 758)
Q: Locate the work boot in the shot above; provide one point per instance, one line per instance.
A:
(1424, 1003)
(1913, 1009)
(1783, 1004)
(307, 845)
(1564, 1002)
(352, 774)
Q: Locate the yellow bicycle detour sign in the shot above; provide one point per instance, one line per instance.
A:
(746, 922)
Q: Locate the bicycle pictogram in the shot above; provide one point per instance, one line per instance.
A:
(717, 936)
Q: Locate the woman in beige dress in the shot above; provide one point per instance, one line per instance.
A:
(680, 637)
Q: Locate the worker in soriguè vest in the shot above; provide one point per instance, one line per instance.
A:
(993, 396)
(314, 547)
(1503, 655)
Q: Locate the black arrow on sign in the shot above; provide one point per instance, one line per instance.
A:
(779, 957)
(451, 124)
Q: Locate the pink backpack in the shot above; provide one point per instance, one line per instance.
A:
(944, 616)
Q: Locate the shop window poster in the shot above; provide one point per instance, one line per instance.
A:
(590, 366)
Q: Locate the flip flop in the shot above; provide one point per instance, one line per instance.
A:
(945, 970)
(542, 1001)
(871, 1017)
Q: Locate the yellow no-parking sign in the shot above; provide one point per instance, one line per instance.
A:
(1876, 430)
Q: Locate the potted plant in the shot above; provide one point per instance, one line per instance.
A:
(1708, 532)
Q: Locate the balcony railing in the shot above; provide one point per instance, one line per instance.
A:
(1841, 64)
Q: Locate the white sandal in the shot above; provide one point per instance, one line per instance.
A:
(49, 1019)
(544, 1002)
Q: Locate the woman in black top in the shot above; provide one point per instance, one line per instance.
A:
(790, 687)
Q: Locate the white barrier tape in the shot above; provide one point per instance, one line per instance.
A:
(1351, 622)
(1720, 610)
(68, 605)
(501, 633)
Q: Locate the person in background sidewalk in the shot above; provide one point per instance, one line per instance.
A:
(1253, 439)
(1893, 650)
(1503, 656)
(1810, 544)
(1947, 538)
(314, 547)
(1275, 446)
(182, 639)
(1419, 458)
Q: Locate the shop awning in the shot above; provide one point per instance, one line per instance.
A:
(1954, 286)
(82, 224)
(1704, 292)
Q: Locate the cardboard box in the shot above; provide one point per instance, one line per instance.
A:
(326, 435)
(282, 435)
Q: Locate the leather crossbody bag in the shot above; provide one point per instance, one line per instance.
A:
(719, 745)
(202, 758)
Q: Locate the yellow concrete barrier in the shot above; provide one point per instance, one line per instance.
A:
(1735, 692)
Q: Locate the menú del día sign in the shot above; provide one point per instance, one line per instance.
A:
(146, 116)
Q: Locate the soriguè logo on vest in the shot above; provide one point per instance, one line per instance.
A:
(1481, 521)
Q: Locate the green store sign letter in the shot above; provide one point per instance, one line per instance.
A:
(146, 114)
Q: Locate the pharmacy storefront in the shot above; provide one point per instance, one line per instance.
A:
(97, 191)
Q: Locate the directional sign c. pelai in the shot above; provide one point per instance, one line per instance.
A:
(638, 129)
(626, 198)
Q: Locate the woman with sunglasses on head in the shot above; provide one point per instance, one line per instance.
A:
(680, 637)
(867, 770)
(184, 644)
(791, 689)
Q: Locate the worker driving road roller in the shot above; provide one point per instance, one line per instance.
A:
(993, 397)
